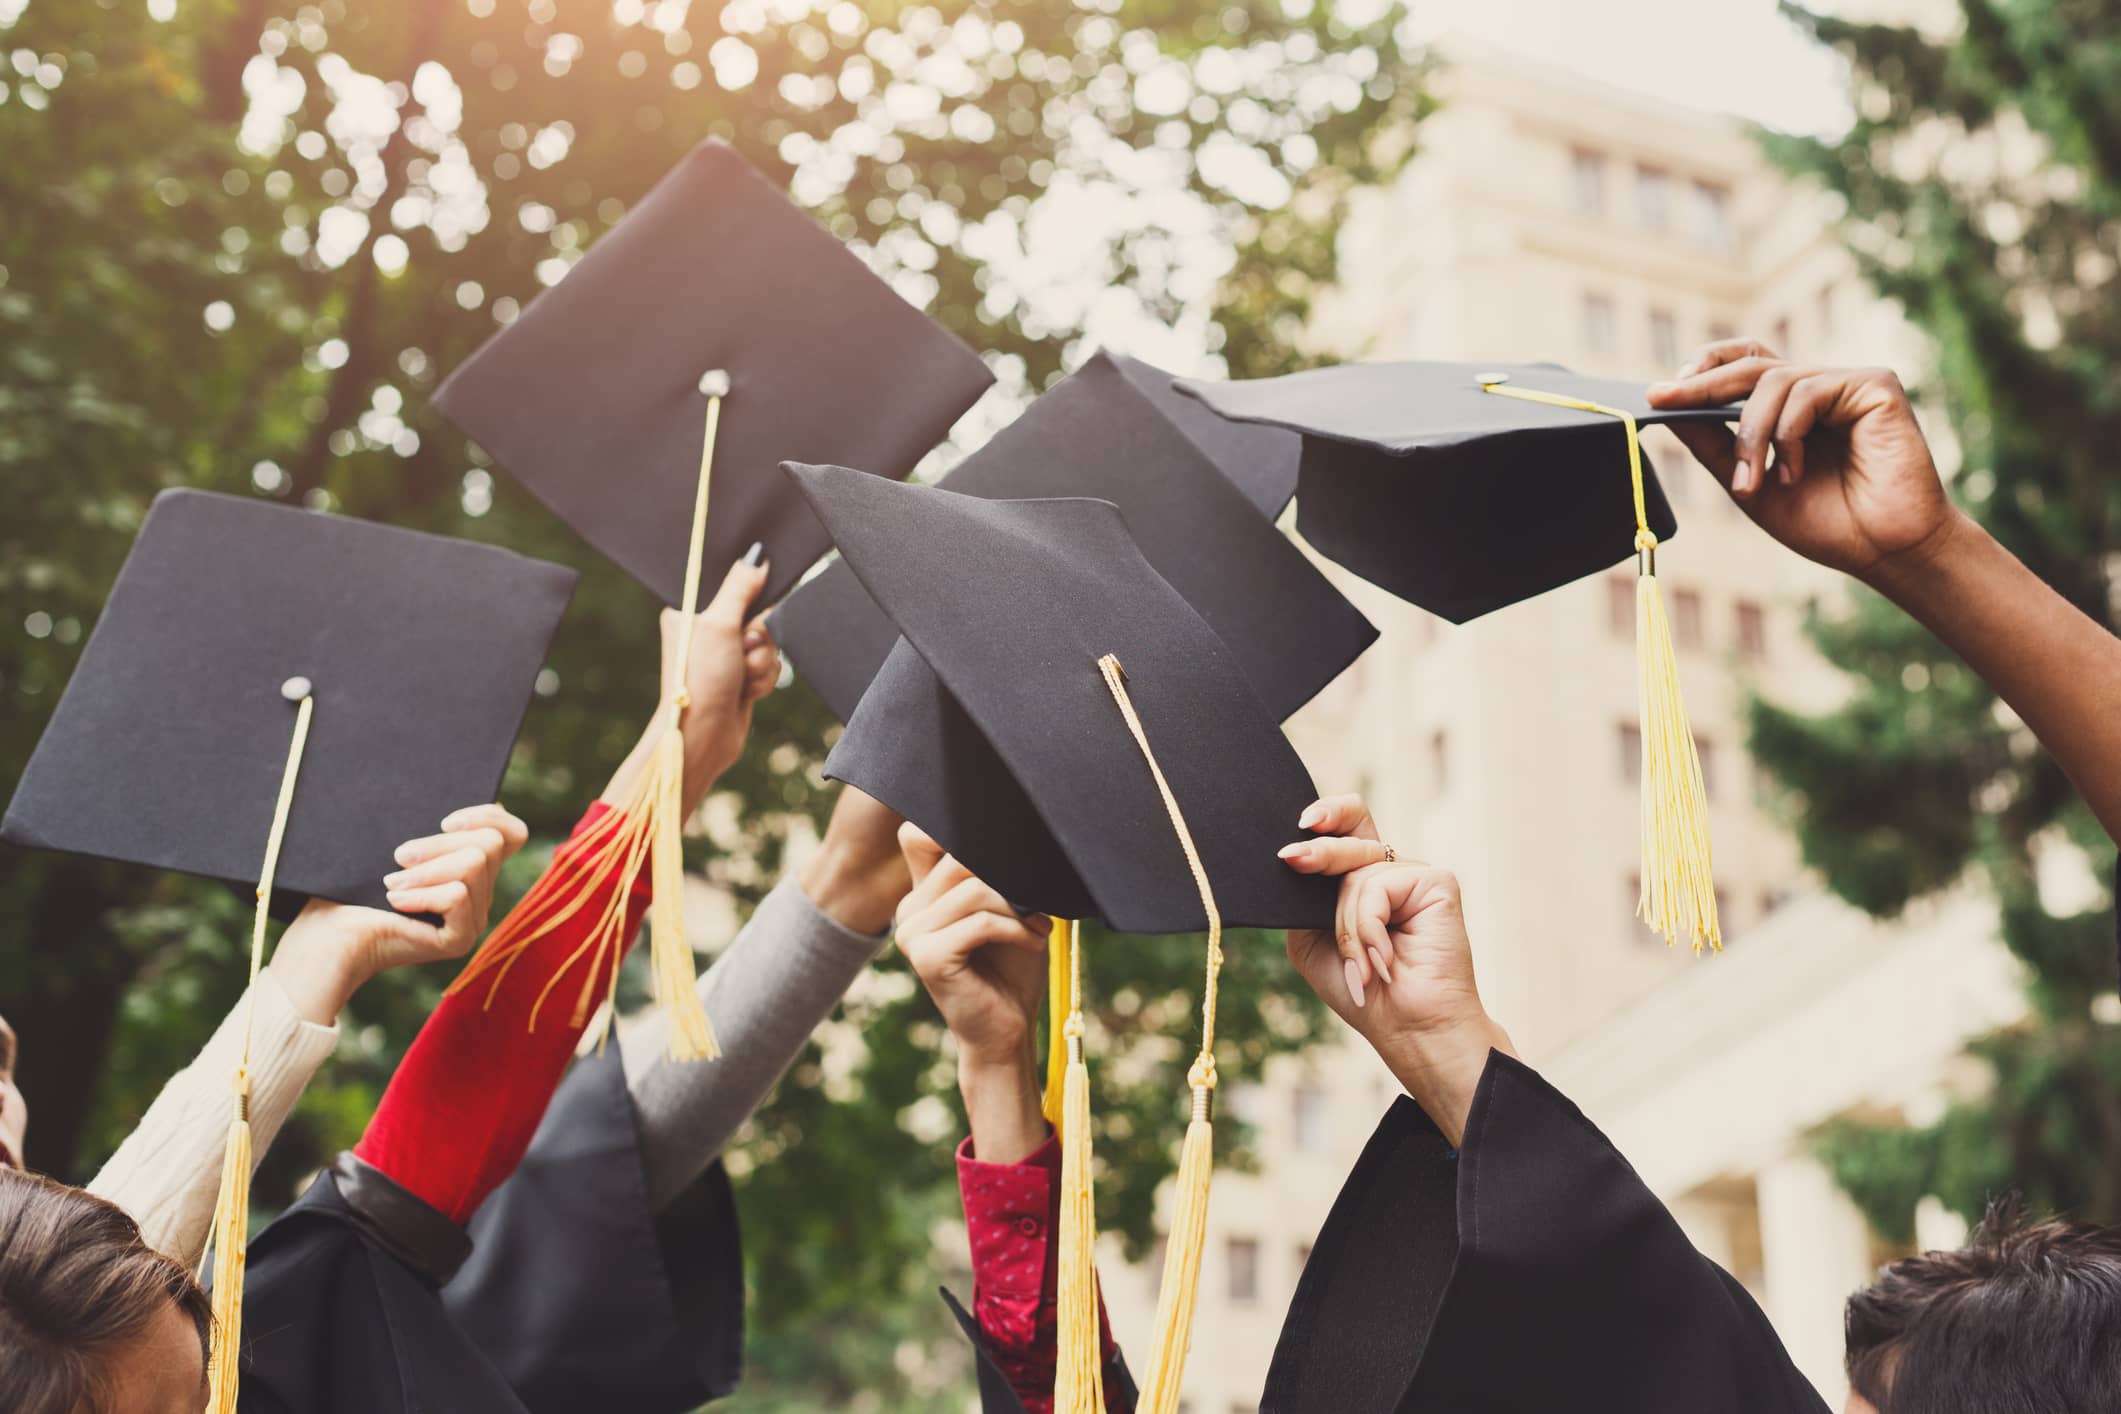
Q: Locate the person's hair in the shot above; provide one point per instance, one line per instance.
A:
(2022, 1317)
(77, 1285)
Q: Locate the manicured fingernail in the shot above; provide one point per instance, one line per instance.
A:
(400, 853)
(1789, 474)
(397, 897)
(1658, 390)
(755, 554)
(394, 881)
(1313, 813)
(1354, 975)
(1742, 476)
(1384, 969)
(1294, 851)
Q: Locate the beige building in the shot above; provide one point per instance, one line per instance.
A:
(1552, 217)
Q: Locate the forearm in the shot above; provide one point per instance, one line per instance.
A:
(1441, 1070)
(167, 1172)
(463, 1104)
(2057, 668)
(1004, 1105)
(782, 976)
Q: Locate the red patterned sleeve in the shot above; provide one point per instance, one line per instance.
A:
(1012, 1216)
(463, 1104)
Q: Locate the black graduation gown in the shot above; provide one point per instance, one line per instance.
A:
(1529, 1271)
(995, 1394)
(564, 1294)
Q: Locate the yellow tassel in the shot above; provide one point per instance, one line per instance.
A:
(1079, 1384)
(1678, 873)
(230, 1234)
(1678, 881)
(1060, 950)
(1180, 1288)
(648, 826)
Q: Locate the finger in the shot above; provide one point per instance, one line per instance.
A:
(459, 864)
(431, 847)
(1722, 351)
(922, 853)
(1716, 448)
(1756, 421)
(762, 672)
(1811, 402)
(1338, 815)
(1724, 383)
(731, 606)
(514, 833)
(435, 898)
(957, 942)
(1354, 962)
(969, 895)
(1332, 856)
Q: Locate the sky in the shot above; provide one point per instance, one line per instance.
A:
(1735, 56)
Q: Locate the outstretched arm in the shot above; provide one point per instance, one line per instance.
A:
(1832, 463)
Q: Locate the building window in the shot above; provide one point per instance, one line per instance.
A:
(1725, 924)
(1826, 311)
(1600, 329)
(1620, 605)
(1771, 900)
(1630, 752)
(1439, 761)
(1308, 1116)
(1705, 751)
(1664, 339)
(1653, 198)
(1752, 631)
(1243, 1256)
(1712, 216)
(1303, 1255)
(1720, 331)
(1781, 336)
(1587, 181)
(1686, 618)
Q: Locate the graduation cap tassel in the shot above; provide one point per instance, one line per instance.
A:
(646, 828)
(1678, 875)
(1180, 1286)
(1060, 950)
(1079, 1384)
(230, 1230)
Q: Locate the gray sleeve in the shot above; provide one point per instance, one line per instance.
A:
(782, 976)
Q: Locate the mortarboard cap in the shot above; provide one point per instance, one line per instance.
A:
(279, 697)
(1422, 481)
(1010, 605)
(171, 741)
(1098, 434)
(1146, 765)
(595, 397)
(1261, 460)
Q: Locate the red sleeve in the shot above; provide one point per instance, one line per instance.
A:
(1012, 1217)
(462, 1106)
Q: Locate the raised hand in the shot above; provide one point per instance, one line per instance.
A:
(985, 967)
(1852, 483)
(331, 949)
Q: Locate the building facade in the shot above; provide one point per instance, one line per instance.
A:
(1551, 217)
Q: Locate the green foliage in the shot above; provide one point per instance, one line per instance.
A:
(241, 243)
(1982, 184)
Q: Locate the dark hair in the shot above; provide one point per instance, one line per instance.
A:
(77, 1284)
(2022, 1317)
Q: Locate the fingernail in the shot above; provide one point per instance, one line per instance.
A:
(1789, 474)
(396, 897)
(399, 854)
(393, 881)
(755, 554)
(1354, 975)
(1384, 968)
(1742, 476)
(1311, 816)
(1293, 851)
(1658, 390)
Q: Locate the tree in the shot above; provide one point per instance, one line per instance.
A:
(241, 243)
(1982, 182)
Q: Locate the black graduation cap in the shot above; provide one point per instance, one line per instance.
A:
(994, 729)
(1262, 460)
(169, 746)
(596, 397)
(1460, 499)
(1097, 433)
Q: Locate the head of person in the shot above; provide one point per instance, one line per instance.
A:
(2022, 1317)
(92, 1319)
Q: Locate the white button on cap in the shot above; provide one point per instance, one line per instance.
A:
(295, 689)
